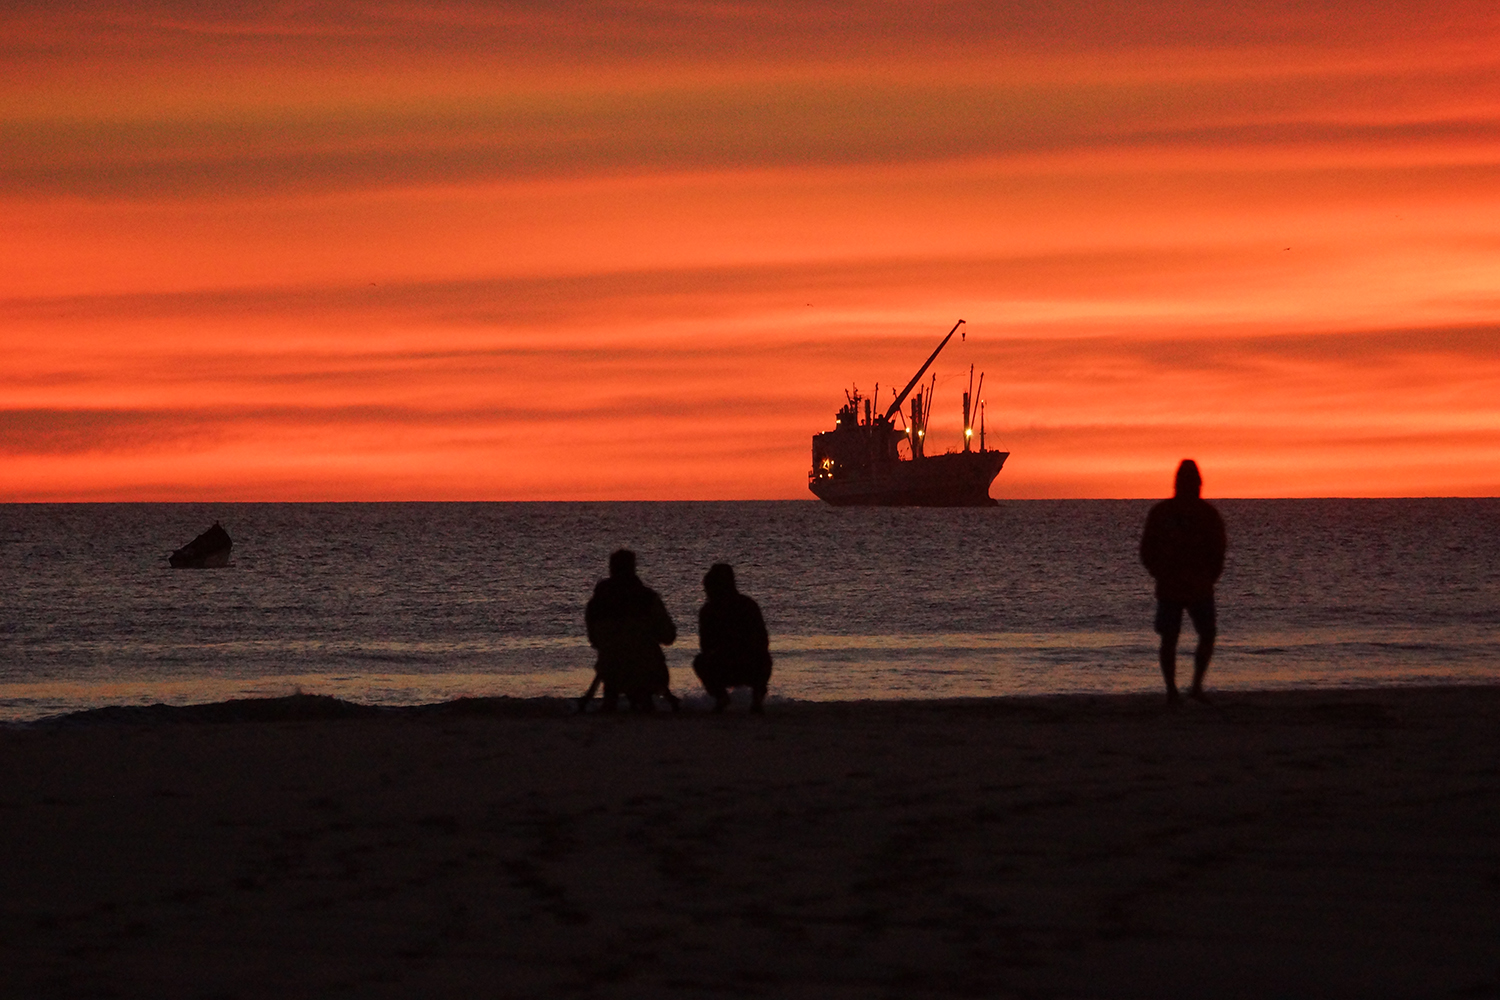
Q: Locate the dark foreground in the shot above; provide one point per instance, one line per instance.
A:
(1297, 844)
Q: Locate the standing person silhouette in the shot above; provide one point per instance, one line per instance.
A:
(628, 624)
(736, 650)
(1183, 548)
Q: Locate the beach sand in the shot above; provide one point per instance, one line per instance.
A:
(1305, 844)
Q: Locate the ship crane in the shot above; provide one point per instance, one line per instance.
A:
(896, 405)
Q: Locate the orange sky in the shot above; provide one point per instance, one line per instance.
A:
(638, 250)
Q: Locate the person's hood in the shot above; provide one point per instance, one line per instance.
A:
(1189, 480)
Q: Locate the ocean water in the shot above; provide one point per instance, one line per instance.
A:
(407, 603)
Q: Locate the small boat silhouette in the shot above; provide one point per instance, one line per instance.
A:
(208, 550)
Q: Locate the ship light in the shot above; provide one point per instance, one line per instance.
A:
(968, 432)
(921, 434)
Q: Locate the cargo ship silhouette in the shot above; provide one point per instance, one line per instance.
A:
(859, 462)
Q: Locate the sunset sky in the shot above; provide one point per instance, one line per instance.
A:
(387, 251)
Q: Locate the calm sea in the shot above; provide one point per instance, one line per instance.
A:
(403, 603)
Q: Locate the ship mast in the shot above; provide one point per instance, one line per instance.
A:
(968, 424)
(974, 406)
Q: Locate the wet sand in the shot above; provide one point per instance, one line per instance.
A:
(1285, 844)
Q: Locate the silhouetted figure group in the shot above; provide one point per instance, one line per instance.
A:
(628, 624)
(1183, 548)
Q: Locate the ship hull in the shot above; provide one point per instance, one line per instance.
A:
(959, 479)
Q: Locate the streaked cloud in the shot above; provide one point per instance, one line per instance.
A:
(637, 249)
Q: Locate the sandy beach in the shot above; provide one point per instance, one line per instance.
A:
(1276, 844)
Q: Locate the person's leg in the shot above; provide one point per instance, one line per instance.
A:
(1205, 621)
(710, 674)
(758, 698)
(1201, 657)
(611, 700)
(1168, 657)
(1169, 626)
(588, 696)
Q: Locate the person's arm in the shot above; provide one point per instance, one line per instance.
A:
(1151, 543)
(762, 651)
(758, 626)
(1221, 546)
(591, 622)
(661, 622)
(706, 635)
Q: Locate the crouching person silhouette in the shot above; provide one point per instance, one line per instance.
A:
(736, 650)
(1183, 548)
(628, 624)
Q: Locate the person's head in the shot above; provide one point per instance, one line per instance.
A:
(719, 580)
(622, 563)
(1189, 481)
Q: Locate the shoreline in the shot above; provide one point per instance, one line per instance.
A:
(307, 706)
(1311, 842)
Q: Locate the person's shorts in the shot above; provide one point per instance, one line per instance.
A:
(1203, 614)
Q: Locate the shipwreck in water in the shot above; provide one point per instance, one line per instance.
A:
(866, 460)
(209, 550)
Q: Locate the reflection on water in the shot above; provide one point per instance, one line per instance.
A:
(411, 603)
